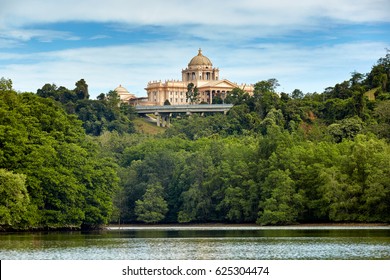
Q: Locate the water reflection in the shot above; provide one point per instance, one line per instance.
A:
(165, 243)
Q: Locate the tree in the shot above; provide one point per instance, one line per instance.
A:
(152, 207)
(102, 115)
(340, 195)
(382, 116)
(101, 97)
(68, 185)
(345, 129)
(265, 97)
(113, 99)
(237, 97)
(356, 78)
(297, 94)
(13, 198)
(239, 193)
(269, 85)
(48, 90)
(281, 204)
(100, 177)
(196, 178)
(379, 77)
(192, 93)
(66, 96)
(81, 89)
(274, 118)
(5, 84)
(368, 166)
(105, 113)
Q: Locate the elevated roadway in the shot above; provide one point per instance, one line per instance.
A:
(163, 113)
(199, 108)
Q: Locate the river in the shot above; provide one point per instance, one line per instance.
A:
(202, 243)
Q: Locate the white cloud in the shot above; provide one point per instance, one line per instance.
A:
(228, 31)
(104, 68)
(307, 68)
(39, 34)
(99, 37)
(225, 20)
(226, 12)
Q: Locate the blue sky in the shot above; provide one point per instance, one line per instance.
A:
(307, 44)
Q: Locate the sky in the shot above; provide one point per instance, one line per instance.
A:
(305, 44)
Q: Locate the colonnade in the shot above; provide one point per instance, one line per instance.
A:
(163, 119)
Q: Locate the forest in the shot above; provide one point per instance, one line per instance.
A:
(70, 162)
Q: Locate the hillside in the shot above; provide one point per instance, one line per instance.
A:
(276, 158)
(147, 126)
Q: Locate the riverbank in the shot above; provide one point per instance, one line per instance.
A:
(247, 226)
(207, 226)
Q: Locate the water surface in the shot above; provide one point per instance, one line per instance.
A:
(143, 243)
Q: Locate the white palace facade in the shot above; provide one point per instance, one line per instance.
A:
(202, 74)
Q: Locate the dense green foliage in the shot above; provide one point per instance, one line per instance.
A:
(13, 197)
(52, 175)
(152, 207)
(192, 94)
(279, 178)
(274, 159)
(105, 114)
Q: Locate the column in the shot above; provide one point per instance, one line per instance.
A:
(169, 120)
(158, 118)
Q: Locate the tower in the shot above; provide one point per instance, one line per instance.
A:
(200, 70)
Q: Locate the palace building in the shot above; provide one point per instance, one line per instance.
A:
(203, 75)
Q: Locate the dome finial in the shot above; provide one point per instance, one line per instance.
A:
(200, 60)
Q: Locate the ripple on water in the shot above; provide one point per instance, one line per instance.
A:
(178, 244)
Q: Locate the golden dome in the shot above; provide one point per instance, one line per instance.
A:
(200, 60)
(121, 90)
(123, 93)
